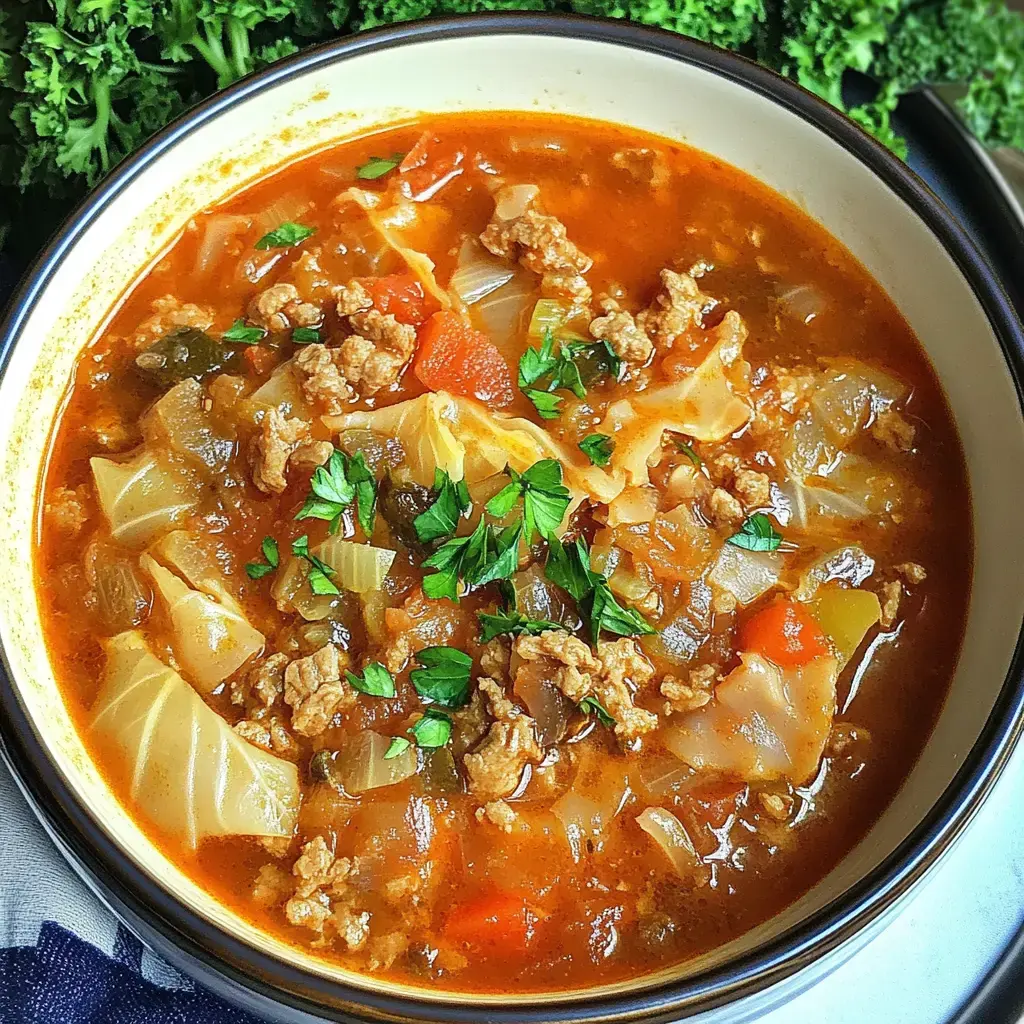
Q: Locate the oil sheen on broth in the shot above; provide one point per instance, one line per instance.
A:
(505, 552)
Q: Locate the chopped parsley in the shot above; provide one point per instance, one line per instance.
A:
(687, 450)
(272, 558)
(305, 335)
(486, 555)
(398, 746)
(598, 448)
(441, 519)
(542, 372)
(545, 498)
(242, 334)
(377, 166)
(444, 676)
(434, 729)
(376, 680)
(336, 485)
(757, 534)
(512, 622)
(285, 236)
(592, 706)
(319, 571)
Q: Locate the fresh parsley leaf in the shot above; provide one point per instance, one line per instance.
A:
(687, 450)
(398, 746)
(598, 359)
(547, 405)
(434, 729)
(598, 448)
(441, 519)
(257, 570)
(376, 680)
(244, 335)
(270, 551)
(757, 534)
(319, 571)
(305, 335)
(592, 706)
(542, 372)
(504, 501)
(604, 612)
(500, 557)
(449, 560)
(336, 485)
(444, 677)
(568, 566)
(285, 236)
(362, 479)
(377, 166)
(508, 620)
(545, 497)
(483, 557)
(536, 363)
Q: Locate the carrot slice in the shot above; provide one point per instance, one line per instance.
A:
(786, 633)
(429, 166)
(494, 920)
(455, 357)
(402, 296)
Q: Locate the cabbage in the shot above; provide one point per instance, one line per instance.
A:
(210, 639)
(851, 564)
(361, 765)
(360, 568)
(282, 392)
(183, 552)
(479, 273)
(179, 422)
(745, 574)
(668, 832)
(144, 496)
(188, 770)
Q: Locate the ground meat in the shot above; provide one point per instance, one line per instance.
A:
(353, 298)
(402, 889)
(578, 668)
(540, 243)
(647, 166)
(499, 706)
(269, 732)
(495, 657)
(279, 308)
(272, 885)
(624, 670)
(276, 846)
(310, 454)
(317, 868)
(68, 509)
(170, 314)
(723, 468)
(352, 927)
(694, 693)
(498, 813)
(912, 572)
(678, 306)
(890, 596)
(775, 805)
(270, 451)
(373, 358)
(753, 489)
(315, 690)
(386, 949)
(263, 683)
(496, 767)
(892, 430)
(619, 329)
(726, 511)
(320, 377)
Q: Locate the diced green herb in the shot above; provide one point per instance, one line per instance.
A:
(604, 612)
(545, 498)
(334, 487)
(512, 622)
(757, 534)
(285, 236)
(377, 166)
(592, 706)
(548, 406)
(305, 335)
(484, 556)
(568, 566)
(243, 334)
(500, 558)
(451, 503)
(598, 448)
(257, 570)
(376, 680)
(270, 551)
(687, 450)
(444, 677)
(272, 558)
(319, 571)
(398, 746)
(360, 476)
(541, 372)
(434, 729)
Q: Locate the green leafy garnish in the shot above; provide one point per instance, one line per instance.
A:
(444, 677)
(335, 485)
(545, 497)
(257, 570)
(548, 406)
(486, 555)
(434, 729)
(319, 571)
(377, 166)
(358, 473)
(242, 334)
(597, 448)
(443, 516)
(376, 680)
(592, 706)
(542, 372)
(398, 745)
(687, 450)
(568, 566)
(512, 622)
(305, 335)
(757, 534)
(285, 236)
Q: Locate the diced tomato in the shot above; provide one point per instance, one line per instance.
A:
(502, 921)
(784, 632)
(401, 295)
(709, 806)
(261, 359)
(429, 166)
(454, 356)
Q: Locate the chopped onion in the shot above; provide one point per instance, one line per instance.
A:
(290, 207)
(217, 231)
(668, 832)
(548, 315)
(361, 766)
(633, 505)
(851, 564)
(513, 201)
(501, 313)
(846, 615)
(582, 819)
(547, 705)
(745, 574)
(536, 144)
(360, 568)
(539, 598)
(803, 302)
(479, 273)
(123, 599)
(664, 774)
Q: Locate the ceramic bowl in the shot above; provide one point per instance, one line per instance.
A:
(665, 84)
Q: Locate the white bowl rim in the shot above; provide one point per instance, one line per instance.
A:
(263, 983)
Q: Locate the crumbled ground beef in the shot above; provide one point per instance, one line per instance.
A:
(890, 594)
(678, 306)
(645, 165)
(495, 657)
(725, 510)
(170, 314)
(694, 693)
(576, 667)
(269, 732)
(283, 442)
(775, 805)
(68, 509)
(753, 489)
(272, 885)
(323, 383)
(263, 682)
(912, 572)
(498, 813)
(280, 308)
(892, 430)
(386, 949)
(316, 691)
(353, 298)
(374, 357)
(620, 330)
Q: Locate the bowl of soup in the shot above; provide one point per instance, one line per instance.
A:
(509, 517)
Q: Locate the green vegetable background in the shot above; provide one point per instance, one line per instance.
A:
(84, 82)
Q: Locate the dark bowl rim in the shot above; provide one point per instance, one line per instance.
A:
(263, 982)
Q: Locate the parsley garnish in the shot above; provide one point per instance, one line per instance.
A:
(545, 497)
(377, 166)
(486, 555)
(434, 729)
(687, 450)
(440, 520)
(398, 745)
(444, 677)
(757, 534)
(257, 570)
(243, 335)
(333, 488)
(508, 620)
(592, 706)
(285, 236)
(597, 448)
(541, 372)
(376, 680)
(568, 565)
(305, 335)
(319, 571)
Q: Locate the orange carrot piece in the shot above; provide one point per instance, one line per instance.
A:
(786, 633)
(494, 920)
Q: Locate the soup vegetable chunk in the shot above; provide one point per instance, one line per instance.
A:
(505, 553)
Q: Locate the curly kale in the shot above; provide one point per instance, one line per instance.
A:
(374, 13)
